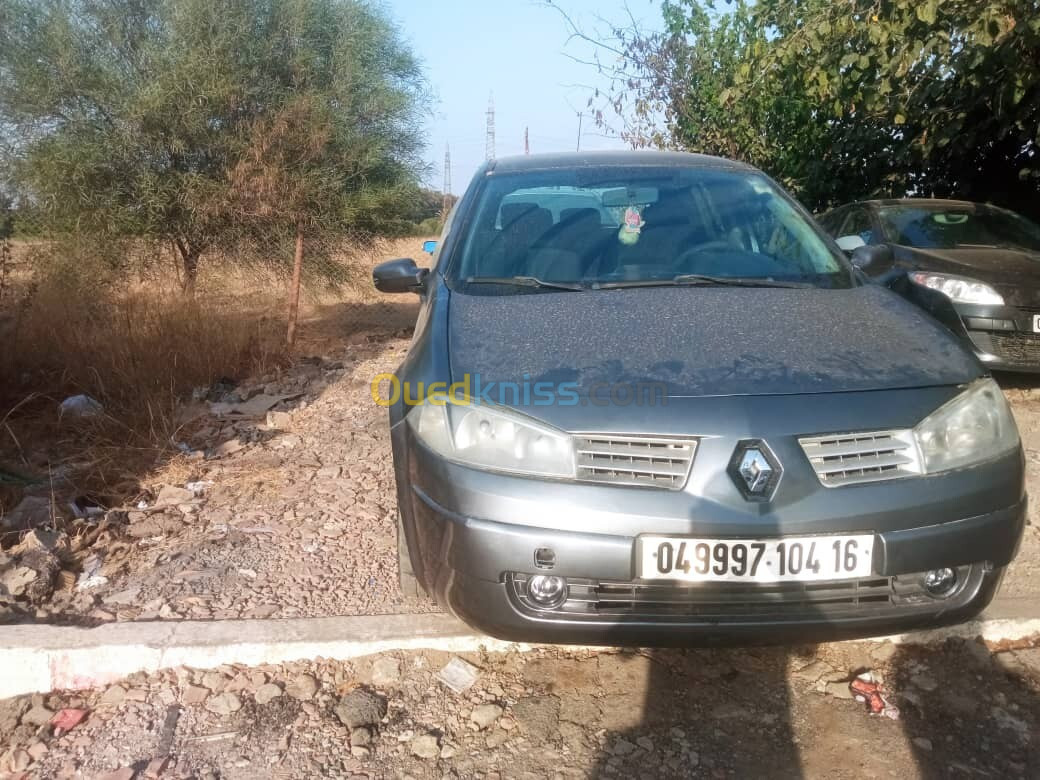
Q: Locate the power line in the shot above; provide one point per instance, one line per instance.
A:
(489, 143)
(579, 131)
(446, 195)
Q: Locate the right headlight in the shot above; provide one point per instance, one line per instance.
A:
(975, 426)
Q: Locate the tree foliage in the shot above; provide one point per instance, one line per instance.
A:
(849, 99)
(197, 122)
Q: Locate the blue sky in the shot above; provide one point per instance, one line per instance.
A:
(515, 49)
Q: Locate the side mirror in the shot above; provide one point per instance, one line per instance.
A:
(399, 276)
(429, 247)
(850, 244)
(872, 257)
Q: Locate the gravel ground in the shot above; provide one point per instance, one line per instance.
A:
(1023, 577)
(296, 517)
(963, 710)
(296, 513)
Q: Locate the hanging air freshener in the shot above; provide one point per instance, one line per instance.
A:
(628, 234)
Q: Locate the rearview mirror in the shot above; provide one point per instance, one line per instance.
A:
(850, 243)
(629, 196)
(429, 247)
(399, 276)
(872, 257)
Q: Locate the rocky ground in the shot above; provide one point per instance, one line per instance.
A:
(958, 710)
(282, 506)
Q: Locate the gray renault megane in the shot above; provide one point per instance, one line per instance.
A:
(649, 401)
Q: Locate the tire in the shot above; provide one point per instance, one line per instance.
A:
(408, 582)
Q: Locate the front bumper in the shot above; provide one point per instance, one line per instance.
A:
(476, 576)
(1003, 338)
(473, 535)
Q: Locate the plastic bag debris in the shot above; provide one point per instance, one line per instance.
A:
(66, 720)
(84, 508)
(91, 576)
(458, 675)
(200, 487)
(81, 406)
(868, 690)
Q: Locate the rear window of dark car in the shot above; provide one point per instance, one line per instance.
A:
(593, 225)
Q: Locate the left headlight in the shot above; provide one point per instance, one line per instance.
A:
(975, 426)
(493, 438)
(958, 288)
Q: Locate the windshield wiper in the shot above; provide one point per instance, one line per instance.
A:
(524, 281)
(691, 280)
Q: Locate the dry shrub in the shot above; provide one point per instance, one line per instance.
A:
(110, 321)
(140, 348)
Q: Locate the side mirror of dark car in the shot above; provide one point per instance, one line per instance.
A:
(429, 247)
(872, 257)
(399, 276)
(849, 244)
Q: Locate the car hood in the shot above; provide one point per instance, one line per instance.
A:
(1014, 273)
(704, 341)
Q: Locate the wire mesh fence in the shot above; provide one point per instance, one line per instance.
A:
(240, 269)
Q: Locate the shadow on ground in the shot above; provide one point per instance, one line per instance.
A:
(964, 712)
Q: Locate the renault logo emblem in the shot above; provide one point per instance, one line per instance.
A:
(755, 470)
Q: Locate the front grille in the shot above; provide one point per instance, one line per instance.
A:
(634, 460)
(717, 602)
(1017, 347)
(739, 602)
(855, 458)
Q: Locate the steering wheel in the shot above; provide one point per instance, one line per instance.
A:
(697, 249)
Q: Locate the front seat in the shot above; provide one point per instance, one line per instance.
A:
(522, 225)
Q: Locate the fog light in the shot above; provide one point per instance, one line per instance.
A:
(547, 591)
(940, 582)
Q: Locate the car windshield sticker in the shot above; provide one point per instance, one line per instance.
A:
(631, 226)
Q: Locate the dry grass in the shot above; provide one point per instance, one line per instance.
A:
(139, 347)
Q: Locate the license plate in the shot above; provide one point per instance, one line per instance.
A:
(1036, 323)
(789, 559)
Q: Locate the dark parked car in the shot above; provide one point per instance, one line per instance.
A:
(976, 268)
(649, 401)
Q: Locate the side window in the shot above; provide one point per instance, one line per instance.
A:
(830, 221)
(858, 224)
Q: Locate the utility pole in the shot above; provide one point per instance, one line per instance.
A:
(489, 145)
(527, 143)
(446, 195)
(579, 130)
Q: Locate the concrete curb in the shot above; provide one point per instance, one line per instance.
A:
(40, 658)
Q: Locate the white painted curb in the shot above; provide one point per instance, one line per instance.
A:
(40, 658)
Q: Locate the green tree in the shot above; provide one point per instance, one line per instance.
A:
(853, 99)
(197, 122)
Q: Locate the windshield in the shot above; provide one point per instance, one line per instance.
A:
(956, 226)
(616, 226)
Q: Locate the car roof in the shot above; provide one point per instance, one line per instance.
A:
(936, 203)
(536, 162)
